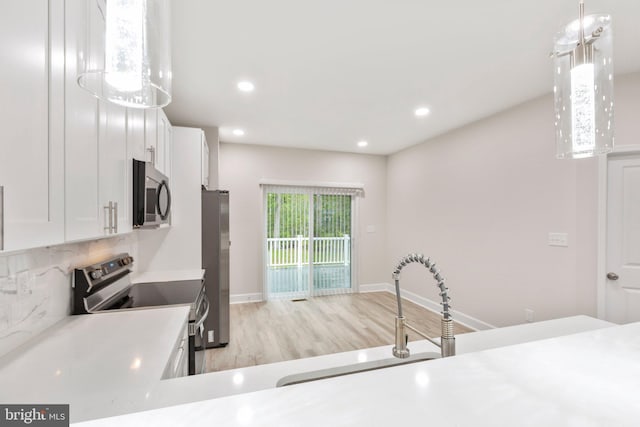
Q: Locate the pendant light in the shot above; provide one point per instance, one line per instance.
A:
(583, 88)
(127, 59)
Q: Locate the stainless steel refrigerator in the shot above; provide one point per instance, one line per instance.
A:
(215, 262)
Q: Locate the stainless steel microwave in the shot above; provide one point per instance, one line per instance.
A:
(151, 196)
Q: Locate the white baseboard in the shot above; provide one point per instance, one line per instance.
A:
(244, 298)
(462, 318)
(373, 287)
(459, 317)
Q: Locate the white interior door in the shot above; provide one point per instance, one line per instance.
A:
(622, 293)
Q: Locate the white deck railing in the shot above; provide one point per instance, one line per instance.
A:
(290, 251)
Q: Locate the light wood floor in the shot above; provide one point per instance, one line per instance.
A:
(275, 331)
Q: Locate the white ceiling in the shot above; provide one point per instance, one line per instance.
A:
(330, 73)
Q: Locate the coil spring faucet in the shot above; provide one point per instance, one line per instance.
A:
(447, 342)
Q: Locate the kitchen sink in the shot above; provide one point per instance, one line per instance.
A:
(355, 368)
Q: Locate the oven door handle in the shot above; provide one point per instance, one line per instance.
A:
(200, 321)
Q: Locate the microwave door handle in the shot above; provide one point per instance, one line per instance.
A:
(164, 215)
(168, 201)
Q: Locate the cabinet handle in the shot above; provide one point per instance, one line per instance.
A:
(108, 218)
(1, 217)
(115, 217)
(152, 150)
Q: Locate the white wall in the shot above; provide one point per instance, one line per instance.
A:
(481, 201)
(243, 166)
(178, 247)
(35, 285)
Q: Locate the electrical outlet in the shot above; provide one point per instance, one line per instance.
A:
(210, 336)
(24, 284)
(558, 239)
(528, 315)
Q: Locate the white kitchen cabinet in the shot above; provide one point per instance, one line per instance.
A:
(115, 170)
(205, 162)
(83, 216)
(163, 144)
(158, 140)
(135, 134)
(178, 363)
(32, 123)
(97, 165)
(168, 131)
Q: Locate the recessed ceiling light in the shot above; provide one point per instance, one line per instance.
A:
(362, 143)
(422, 111)
(238, 132)
(246, 86)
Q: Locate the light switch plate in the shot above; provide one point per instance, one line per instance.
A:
(559, 239)
(371, 228)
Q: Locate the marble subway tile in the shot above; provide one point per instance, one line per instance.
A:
(35, 285)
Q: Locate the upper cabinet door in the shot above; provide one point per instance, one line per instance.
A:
(32, 122)
(83, 214)
(169, 150)
(164, 137)
(135, 133)
(115, 176)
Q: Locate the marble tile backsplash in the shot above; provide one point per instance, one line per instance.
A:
(35, 285)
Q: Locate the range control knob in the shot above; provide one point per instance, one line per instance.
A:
(96, 274)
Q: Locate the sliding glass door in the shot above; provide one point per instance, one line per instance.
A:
(287, 244)
(331, 243)
(309, 243)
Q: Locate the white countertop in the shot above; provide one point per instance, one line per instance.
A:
(166, 276)
(101, 364)
(587, 379)
(263, 377)
(63, 362)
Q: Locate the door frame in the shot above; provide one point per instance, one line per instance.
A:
(603, 183)
(355, 229)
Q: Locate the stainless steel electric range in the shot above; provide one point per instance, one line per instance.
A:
(106, 286)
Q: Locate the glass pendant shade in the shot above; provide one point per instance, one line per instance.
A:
(127, 57)
(583, 88)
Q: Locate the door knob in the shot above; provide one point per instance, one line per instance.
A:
(612, 276)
